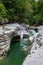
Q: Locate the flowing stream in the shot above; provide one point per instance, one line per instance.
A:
(17, 53)
(15, 56)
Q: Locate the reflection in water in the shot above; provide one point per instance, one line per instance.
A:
(15, 56)
(17, 53)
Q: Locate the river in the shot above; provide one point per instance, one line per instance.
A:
(15, 56)
(17, 53)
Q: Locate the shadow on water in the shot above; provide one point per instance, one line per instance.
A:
(15, 56)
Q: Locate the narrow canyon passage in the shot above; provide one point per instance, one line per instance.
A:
(15, 56)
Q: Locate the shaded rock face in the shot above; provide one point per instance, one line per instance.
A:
(0, 21)
(25, 25)
(15, 38)
(40, 35)
(36, 58)
(25, 36)
(8, 31)
(3, 22)
(39, 40)
(4, 44)
(18, 32)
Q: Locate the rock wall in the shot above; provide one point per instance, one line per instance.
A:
(6, 35)
(36, 54)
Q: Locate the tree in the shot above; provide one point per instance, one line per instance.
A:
(18, 10)
(3, 12)
(22, 11)
(37, 12)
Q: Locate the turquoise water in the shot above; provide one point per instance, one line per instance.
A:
(15, 56)
(18, 52)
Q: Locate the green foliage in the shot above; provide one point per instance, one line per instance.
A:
(22, 11)
(38, 12)
(3, 12)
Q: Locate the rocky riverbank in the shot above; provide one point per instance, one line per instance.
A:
(9, 31)
(36, 55)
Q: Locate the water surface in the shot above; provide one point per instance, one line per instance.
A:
(15, 56)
